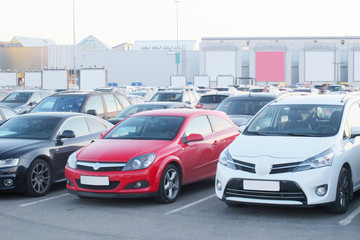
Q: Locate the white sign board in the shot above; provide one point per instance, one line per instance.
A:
(33, 79)
(224, 81)
(8, 79)
(319, 66)
(91, 78)
(55, 79)
(177, 81)
(202, 81)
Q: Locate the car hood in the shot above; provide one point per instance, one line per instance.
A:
(285, 148)
(119, 150)
(240, 120)
(9, 145)
(11, 104)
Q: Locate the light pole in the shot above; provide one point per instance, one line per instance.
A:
(74, 43)
(177, 54)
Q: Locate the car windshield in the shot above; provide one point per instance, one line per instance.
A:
(136, 108)
(167, 97)
(242, 106)
(29, 127)
(297, 120)
(18, 97)
(60, 104)
(147, 128)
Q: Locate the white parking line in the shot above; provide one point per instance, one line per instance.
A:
(43, 200)
(349, 218)
(190, 205)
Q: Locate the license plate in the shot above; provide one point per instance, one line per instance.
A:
(273, 186)
(95, 181)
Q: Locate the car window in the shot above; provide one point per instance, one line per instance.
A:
(110, 103)
(167, 97)
(212, 99)
(124, 102)
(21, 97)
(95, 125)
(77, 124)
(36, 97)
(219, 123)
(95, 103)
(353, 117)
(8, 113)
(200, 125)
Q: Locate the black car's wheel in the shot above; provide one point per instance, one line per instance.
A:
(38, 179)
(169, 187)
(343, 193)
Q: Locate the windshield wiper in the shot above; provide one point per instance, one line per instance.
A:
(257, 133)
(299, 134)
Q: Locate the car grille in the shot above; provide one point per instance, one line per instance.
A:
(276, 168)
(100, 167)
(289, 191)
(112, 185)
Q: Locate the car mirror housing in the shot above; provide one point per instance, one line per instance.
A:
(193, 138)
(355, 131)
(92, 112)
(66, 134)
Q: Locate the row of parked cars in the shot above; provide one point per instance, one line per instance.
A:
(289, 150)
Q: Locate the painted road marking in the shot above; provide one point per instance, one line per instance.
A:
(349, 218)
(43, 200)
(190, 205)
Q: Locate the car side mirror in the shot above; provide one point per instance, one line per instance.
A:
(193, 138)
(355, 131)
(33, 103)
(92, 112)
(66, 134)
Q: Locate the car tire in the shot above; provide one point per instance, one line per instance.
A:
(39, 178)
(169, 188)
(343, 193)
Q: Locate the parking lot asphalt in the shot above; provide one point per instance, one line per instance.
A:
(197, 214)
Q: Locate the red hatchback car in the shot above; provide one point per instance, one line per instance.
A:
(151, 154)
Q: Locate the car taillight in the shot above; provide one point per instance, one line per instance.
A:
(199, 105)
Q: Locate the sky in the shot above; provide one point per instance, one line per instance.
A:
(116, 21)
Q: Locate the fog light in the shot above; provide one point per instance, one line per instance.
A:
(321, 190)
(218, 185)
(8, 182)
(137, 185)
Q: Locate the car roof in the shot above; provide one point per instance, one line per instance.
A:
(178, 112)
(159, 104)
(327, 99)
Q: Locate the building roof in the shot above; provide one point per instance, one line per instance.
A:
(164, 45)
(29, 42)
(91, 43)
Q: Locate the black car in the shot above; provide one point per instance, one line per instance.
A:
(102, 104)
(6, 113)
(148, 106)
(34, 148)
(241, 108)
(23, 101)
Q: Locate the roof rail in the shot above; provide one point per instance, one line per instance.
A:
(349, 95)
(292, 94)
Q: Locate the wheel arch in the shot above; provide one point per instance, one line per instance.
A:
(348, 167)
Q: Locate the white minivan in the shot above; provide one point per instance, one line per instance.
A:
(297, 151)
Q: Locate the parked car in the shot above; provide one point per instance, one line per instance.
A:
(148, 94)
(210, 101)
(151, 154)
(136, 98)
(34, 148)
(102, 104)
(241, 108)
(6, 113)
(148, 106)
(4, 93)
(299, 151)
(22, 101)
(185, 96)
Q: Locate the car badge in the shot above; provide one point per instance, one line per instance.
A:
(263, 168)
(96, 166)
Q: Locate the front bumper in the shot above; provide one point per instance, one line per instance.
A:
(10, 175)
(295, 188)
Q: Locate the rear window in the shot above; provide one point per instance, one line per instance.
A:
(212, 99)
(242, 106)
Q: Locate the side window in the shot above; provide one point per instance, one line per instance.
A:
(353, 117)
(8, 113)
(110, 103)
(36, 97)
(123, 101)
(78, 125)
(219, 123)
(95, 125)
(200, 125)
(95, 103)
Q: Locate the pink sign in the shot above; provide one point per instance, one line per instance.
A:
(270, 66)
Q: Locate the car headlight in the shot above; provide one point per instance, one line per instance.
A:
(10, 162)
(321, 160)
(226, 159)
(140, 162)
(72, 161)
